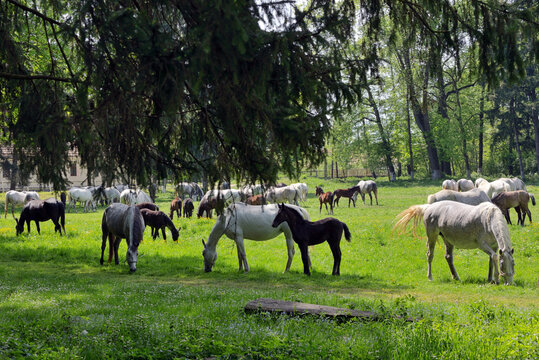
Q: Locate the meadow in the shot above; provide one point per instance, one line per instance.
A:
(57, 302)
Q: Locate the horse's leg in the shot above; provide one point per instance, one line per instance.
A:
(376, 196)
(242, 257)
(520, 215)
(431, 243)
(507, 216)
(28, 225)
(305, 257)
(449, 258)
(336, 251)
(163, 232)
(290, 248)
(321, 206)
(490, 268)
(370, 195)
(493, 260)
(116, 246)
(103, 246)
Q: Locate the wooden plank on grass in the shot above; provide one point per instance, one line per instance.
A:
(298, 308)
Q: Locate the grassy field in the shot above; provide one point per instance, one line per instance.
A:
(56, 301)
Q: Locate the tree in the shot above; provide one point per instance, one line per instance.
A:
(228, 89)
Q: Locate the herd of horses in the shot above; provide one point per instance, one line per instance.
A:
(464, 214)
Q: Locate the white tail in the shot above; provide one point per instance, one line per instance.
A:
(414, 213)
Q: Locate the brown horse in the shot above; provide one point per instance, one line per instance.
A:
(256, 200)
(147, 205)
(188, 208)
(514, 199)
(325, 198)
(350, 193)
(176, 205)
(206, 206)
(158, 220)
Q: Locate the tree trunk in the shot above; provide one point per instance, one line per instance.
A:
(517, 142)
(14, 173)
(421, 115)
(535, 120)
(462, 132)
(385, 141)
(410, 151)
(325, 169)
(481, 130)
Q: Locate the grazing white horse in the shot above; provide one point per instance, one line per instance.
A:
(85, 196)
(280, 195)
(494, 188)
(121, 187)
(450, 184)
(186, 189)
(111, 195)
(465, 185)
(18, 198)
(519, 184)
(302, 190)
(251, 190)
(253, 222)
(366, 187)
(466, 227)
(132, 197)
(472, 197)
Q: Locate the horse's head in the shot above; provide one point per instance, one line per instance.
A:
(507, 265)
(131, 258)
(281, 216)
(19, 228)
(319, 191)
(210, 256)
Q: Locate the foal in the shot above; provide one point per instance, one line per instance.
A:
(350, 193)
(306, 233)
(159, 220)
(514, 199)
(176, 205)
(326, 198)
(188, 208)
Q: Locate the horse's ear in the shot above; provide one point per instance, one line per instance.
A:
(512, 251)
(203, 243)
(500, 251)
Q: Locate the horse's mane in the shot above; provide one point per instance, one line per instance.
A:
(498, 226)
(138, 226)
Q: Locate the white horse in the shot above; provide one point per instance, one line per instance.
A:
(366, 187)
(186, 189)
(132, 197)
(121, 187)
(280, 195)
(519, 184)
(466, 227)
(449, 184)
(472, 197)
(109, 194)
(302, 190)
(228, 196)
(251, 190)
(494, 188)
(465, 185)
(85, 196)
(18, 198)
(253, 222)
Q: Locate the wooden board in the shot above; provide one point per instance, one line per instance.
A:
(298, 308)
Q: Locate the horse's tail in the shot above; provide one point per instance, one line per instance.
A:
(533, 198)
(347, 234)
(62, 208)
(414, 213)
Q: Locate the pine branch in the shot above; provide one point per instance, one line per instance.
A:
(35, 77)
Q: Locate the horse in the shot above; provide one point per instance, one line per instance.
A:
(472, 197)
(132, 197)
(252, 190)
(83, 195)
(256, 200)
(514, 199)
(147, 205)
(159, 220)
(493, 188)
(18, 198)
(450, 184)
(192, 190)
(366, 187)
(306, 233)
(281, 194)
(42, 210)
(326, 198)
(121, 187)
(241, 221)
(350, 193)
(119, 222)
(188, 208)
(207, 205)
(108, 194)
(228, 196)
(464, 185)
(519, 184)
(466, 227)
(302, 190)
(176, 205)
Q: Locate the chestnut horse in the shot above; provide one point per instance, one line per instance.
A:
(514, 199)
(176, 205)
(325, 198)
(350, 193)
(256, 200)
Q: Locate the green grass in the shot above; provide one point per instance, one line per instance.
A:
(56, 301)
